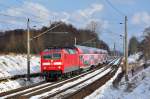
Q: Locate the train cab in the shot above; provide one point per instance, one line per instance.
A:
(51, 62)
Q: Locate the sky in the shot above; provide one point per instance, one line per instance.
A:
(107, 13)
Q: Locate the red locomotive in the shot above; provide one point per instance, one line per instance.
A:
(56, 62)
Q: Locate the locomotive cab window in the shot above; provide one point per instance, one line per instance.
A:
(52, 56)
(49, 56)
(56, 56)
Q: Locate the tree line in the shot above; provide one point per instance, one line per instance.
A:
(141, 46)
(15, 41)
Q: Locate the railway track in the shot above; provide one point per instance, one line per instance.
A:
(90, 88)
(44, 87)
(73, 92)
(19, 76)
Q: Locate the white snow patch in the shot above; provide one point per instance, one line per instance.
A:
(11, 65)
(13, 84)
(103, 88)
(141, 89)
(133, 58)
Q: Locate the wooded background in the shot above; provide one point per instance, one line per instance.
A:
(16, 40)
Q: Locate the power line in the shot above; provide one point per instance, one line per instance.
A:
(18, 17)
(32, 14)
(10, 24)
(6, 6)
(32, 6)
(110, 32)
(117, 10)
(7, 22)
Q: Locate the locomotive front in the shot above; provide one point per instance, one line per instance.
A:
(51, 63)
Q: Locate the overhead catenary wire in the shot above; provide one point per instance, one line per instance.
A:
(110, 32)
(47, 31)
(12, 23)
(20, 1)
(34, 15)
(7, 22)
(33, 18)
(6, 6)
(116, 9)
(21, 17)
(18, 17)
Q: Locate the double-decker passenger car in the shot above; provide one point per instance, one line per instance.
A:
(58, 61)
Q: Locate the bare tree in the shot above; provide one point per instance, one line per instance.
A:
(94, 26)
(145, 44)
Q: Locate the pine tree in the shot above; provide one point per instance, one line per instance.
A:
(133, 45)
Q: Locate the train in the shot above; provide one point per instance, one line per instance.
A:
(60, 61)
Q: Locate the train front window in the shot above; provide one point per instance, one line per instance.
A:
(49, 56)
(52, 56)
(56, 56)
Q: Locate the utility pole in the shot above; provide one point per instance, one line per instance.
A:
(123, 47)
(126, 50)
(28, 50)
(114, 49)
(75, 41)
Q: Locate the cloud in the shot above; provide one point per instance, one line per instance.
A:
(34, 11)
(38, 12)
(81, 17)
(91, 10)
(141, 18)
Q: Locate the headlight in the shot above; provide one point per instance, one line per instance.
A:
(45, 63)
(59, 67)
(57, 63)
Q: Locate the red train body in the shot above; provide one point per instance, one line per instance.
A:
(58, 61)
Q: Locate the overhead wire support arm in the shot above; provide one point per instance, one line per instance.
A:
(88, 41)
(46, 31)
(18, 17)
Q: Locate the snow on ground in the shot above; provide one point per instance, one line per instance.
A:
(138, 88)
(13, 84)
(133, 58)
(11, 65)
(93, 95)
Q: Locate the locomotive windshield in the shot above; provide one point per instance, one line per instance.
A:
(48, 56)
(56, 56)
(52, 56)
